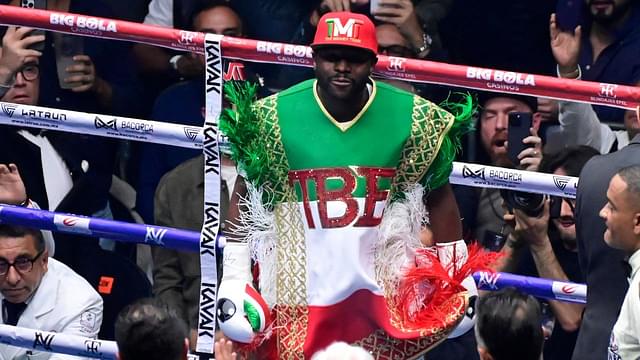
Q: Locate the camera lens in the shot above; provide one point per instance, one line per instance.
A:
(530, 203)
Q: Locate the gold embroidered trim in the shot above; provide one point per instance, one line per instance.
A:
(291, 284)
(382, 346)
(429, 126)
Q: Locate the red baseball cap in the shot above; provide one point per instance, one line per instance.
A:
(346, 29)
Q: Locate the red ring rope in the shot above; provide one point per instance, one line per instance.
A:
(626, 97)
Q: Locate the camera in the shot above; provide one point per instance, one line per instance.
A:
(531, 204)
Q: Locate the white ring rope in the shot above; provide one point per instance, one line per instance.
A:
(40, 117)
(57, 342)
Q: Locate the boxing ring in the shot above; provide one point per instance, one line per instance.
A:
(210, 141)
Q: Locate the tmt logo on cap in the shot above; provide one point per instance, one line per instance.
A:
(346, 29)
(338, 31)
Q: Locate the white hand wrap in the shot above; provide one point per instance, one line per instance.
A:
(236, 262)
(452, 255)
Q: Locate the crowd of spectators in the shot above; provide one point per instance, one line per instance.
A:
(595, 40)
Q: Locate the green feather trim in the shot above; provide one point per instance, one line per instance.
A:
(243, 128)
(442, 165)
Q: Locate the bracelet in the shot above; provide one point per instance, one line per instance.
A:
(575, 74)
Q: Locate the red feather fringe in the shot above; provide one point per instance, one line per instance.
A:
(427, 286)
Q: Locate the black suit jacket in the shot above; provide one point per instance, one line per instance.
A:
(90, 189)
(601, 265)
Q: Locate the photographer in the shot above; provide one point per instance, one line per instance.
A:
(536, 248)
(481, 209)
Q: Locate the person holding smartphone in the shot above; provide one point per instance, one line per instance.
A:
(481, 209)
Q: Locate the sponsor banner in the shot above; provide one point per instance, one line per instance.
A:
(488, 280)
(101, 125)
(72, 224)
(502, 178)
(59, 343)
(570, 292)
(627, 97)
(538, 287)
(177, 239)
(212, 180)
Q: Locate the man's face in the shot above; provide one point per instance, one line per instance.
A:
(18, 286)
(342, 71)
(566, 222)
(494, 126)
(25, 91)
(620, 214)
(391, 42)
(608, 11)
(219, 20)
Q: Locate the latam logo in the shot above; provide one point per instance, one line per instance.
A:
(561, 182)
(9, 109)
(72, 224)
(568, 289)
(83, 23)
(396, 64)
(608, 90)
(191, 132)
(109, 124)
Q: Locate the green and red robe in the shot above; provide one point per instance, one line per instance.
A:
(327, 184)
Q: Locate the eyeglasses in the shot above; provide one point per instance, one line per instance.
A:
(30, 71)
(22, 264)
(396, 50)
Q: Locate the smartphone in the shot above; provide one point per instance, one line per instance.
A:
(519, 128)
(66, 47)
(35, 4)
(569, 14)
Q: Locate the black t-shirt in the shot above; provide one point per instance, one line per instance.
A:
(561, 343)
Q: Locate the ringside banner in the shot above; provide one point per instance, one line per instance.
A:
(502, 178)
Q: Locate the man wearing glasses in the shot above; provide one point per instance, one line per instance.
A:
(39, 292)
(545, 246)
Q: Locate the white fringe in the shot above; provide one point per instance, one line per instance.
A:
(257, 228)
(399, 237)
